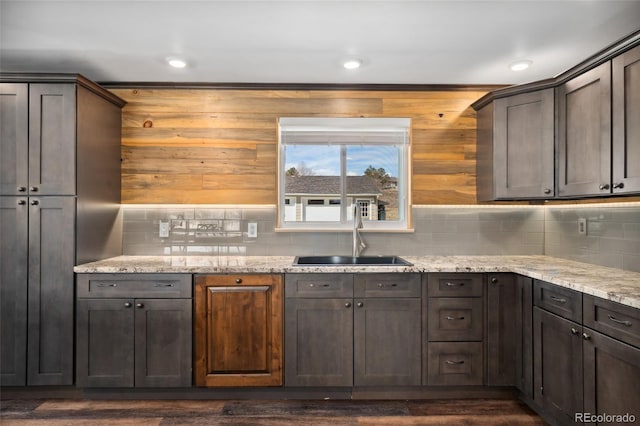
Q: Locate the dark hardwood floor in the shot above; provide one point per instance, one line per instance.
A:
(54, 412)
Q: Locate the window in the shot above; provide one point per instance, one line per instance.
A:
(328, 165)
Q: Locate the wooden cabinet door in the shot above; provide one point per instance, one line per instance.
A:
(611, 375)
(584, 134)
(105, 342)
(626, 122)
(14, 215)
(163, 342)
(557, 366)
(52, 139)
(319, 342)
(51, 290)
(14, 138)
(387, 343)
(523, 323)
(523, 146)
(501, 329)
(238, 330)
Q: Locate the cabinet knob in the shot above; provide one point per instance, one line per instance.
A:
(139, 305)
(494, 280)
(359, 304)
(574, 331)
(586, 336)
(347, 305)
(22, 189)
(33, 189)
(21, 202)
(34, 202)
(127, 304)
(547, 191)
(619, 185)
(238, 280)
(604, 186)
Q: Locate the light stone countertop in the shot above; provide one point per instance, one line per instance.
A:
(608, 283)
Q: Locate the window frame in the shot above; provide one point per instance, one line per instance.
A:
(351, 126)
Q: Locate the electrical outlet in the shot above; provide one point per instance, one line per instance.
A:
(252, 230)
(582, 226)
(164, 229)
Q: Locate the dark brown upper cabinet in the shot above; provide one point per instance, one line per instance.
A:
(515, 147)
(626, 122)
(584, 134)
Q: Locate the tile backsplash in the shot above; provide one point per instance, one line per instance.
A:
(446, 230)
(613, 233)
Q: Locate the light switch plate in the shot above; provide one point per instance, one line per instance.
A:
(582, 226)
(164, 229)
(252, 230)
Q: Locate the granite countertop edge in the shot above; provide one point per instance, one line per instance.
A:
(608, 283)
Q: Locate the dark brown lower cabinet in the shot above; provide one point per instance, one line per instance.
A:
(502, 328)
(523, 323)
(319, 342)
(558, 366)
(238, 330)
(353, 330)
(134, 342)
(387, 347)
(133, 330)
(611, 376)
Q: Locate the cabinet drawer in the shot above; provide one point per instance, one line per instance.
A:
(158, 286)
(558, 300)
(234, 280)
(455, 319)
(387, 285)
(319, 285)
(454, 285)
(454, 363)
(611, 318)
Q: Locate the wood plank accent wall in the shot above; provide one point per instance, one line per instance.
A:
(218, 146)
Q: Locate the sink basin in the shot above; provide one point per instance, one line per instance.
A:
(350, 260)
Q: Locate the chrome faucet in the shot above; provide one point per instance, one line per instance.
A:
(358, 244)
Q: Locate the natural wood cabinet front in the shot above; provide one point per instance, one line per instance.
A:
(238, 330)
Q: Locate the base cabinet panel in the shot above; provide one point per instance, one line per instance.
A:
(238, 330)
(558, 383)
(319, 342)
(387, 342)
(611, 376)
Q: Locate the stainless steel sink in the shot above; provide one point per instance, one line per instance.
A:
(350, 260)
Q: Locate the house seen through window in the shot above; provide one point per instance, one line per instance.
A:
(329, 165)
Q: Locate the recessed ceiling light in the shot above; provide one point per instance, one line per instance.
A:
(352, 64)
(176, 62)
(520, 65)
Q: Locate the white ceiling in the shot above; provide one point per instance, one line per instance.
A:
(297, 41)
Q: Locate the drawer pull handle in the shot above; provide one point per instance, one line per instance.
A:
(108, 285)
(574, 331)
(381, 285)
(238, 280)
(558, 299)
(617, 321)
(164, 285)
(454, 362)
(454, 318)
(320, 285)
(449, 284)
